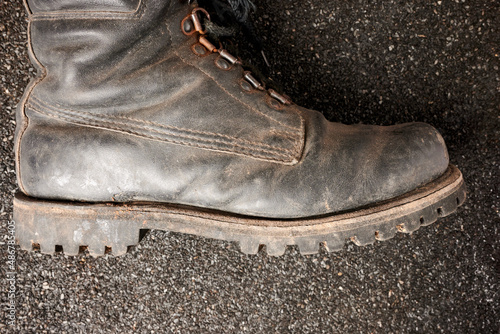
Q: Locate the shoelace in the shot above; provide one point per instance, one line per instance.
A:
(229, 9)
(192, 24)
(231, 16)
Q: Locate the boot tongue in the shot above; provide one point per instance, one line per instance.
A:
(241, 8)
(226, 12)
(230, 16)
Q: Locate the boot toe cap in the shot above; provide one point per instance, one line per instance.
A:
(424, 150)
(412, 155)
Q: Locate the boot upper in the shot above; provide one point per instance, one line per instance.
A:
(127, 107)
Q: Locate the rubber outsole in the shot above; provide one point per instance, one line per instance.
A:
(103, 228)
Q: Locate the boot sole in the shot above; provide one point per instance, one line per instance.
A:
(101, 228)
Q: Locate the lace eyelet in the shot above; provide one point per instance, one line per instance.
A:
(223, 64)
(192, 24)
(246, 86)
(273, 103)
(187, 26)
(199, 50)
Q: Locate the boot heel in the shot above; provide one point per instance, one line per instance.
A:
(50, 226)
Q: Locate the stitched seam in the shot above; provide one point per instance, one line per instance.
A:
(299, 144)
(90, 115)
(85, 120)
(284, 134)
(97, 123)
(198, 145)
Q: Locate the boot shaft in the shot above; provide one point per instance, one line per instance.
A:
(86, 50)
(136, 72)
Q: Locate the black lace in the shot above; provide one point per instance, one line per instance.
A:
(230, 10)
(228, 17)
(227, 20)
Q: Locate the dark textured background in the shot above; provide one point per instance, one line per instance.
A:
(376, 62)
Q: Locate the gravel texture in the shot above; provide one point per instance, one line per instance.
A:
(376, 62)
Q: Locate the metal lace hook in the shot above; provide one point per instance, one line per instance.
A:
(192, 24)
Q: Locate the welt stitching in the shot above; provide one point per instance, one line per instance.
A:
(257, 156)
(96, 123)
(40, 105)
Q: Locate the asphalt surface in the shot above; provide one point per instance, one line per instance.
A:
(375, 62)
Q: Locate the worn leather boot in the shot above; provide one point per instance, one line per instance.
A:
(136, 120)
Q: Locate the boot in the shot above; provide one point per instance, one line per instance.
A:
(137, 120)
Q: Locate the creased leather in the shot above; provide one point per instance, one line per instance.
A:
(100, 74)
(123, 111)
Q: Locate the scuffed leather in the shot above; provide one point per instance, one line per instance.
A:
(123, 111)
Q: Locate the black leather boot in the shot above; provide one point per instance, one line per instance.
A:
(136, 120)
